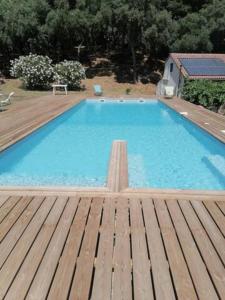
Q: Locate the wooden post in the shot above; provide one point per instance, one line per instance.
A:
(118, 167)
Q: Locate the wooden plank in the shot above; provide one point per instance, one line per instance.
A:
(24, 277)
(18, 228)
(43, 278)
(7, 206)
(221, 205)
(118, 167)
(3, 199)
(14, 261)
(211, 228)
(201, 279)
(63, 277)
(14, 214)
(160, 269)
(211, 259)
(122, 278)
(179, 270)
(85, 264)
(217, 215)
(141, 264)
(27, 119)
(102, 285)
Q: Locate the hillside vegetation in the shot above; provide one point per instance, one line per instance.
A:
(131, 32)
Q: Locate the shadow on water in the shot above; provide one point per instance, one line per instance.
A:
(215, 171)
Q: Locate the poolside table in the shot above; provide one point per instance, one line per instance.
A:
(56, 86)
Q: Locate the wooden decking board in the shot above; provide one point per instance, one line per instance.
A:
(217, 215)
(81, 285)
(208, 253)
(7, 206)
(141, 265)
(122, 279)
(13, 215)
(3, 199)
(112, 248)
(211, 228)
(14, 261)
(20, 285)
(200, 116)
(180, 272)
(18, 228)
(64, 273)
(196, 265)
(102, 285)
(221, 205)
(43, 278)
(160, 266)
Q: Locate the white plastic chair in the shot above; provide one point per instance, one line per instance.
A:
(6, 101)
(169, 91)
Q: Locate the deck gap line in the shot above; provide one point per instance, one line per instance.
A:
(19, 199)
(82, 238)
(6, 199)
(192, 280)
(171, 274)
(22, 232)
(213, 219)
(153, 285)
(47, 243)
(196, 244)
(91, 283)
(29, 249)
(219, 208)
(208, 236)
(50, 285)
(132, 284)
(78, 252)
(165, 250)
(146, 238)
(32, 197)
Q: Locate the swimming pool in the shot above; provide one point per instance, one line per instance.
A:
(165, 150)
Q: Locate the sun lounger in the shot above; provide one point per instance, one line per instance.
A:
(6, 101)
(97, 90)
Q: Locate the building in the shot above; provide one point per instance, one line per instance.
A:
(179, 66)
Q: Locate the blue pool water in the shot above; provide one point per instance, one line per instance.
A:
(164, 149)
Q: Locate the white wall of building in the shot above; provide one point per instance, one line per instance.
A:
(170, 77)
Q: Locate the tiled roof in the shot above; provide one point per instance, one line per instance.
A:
(177, 56)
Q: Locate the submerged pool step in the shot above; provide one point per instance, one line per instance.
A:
(118, 167)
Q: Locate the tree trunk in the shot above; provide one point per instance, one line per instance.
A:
(134, 62)
(132, 48)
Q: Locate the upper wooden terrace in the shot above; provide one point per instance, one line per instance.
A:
(114, 242)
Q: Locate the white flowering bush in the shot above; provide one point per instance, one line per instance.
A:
(70, 73)
(36, 71)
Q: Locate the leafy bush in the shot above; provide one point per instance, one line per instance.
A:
(208, 93)
(34, 70)
(70, 73)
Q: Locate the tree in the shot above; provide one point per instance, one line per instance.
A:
(193, 35)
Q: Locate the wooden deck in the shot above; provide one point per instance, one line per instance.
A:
(111, 248)
(23, 118)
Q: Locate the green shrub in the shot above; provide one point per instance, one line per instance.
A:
(208, 93)
(35, 71)
(70, 73)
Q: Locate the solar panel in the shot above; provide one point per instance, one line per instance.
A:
(204, 66)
